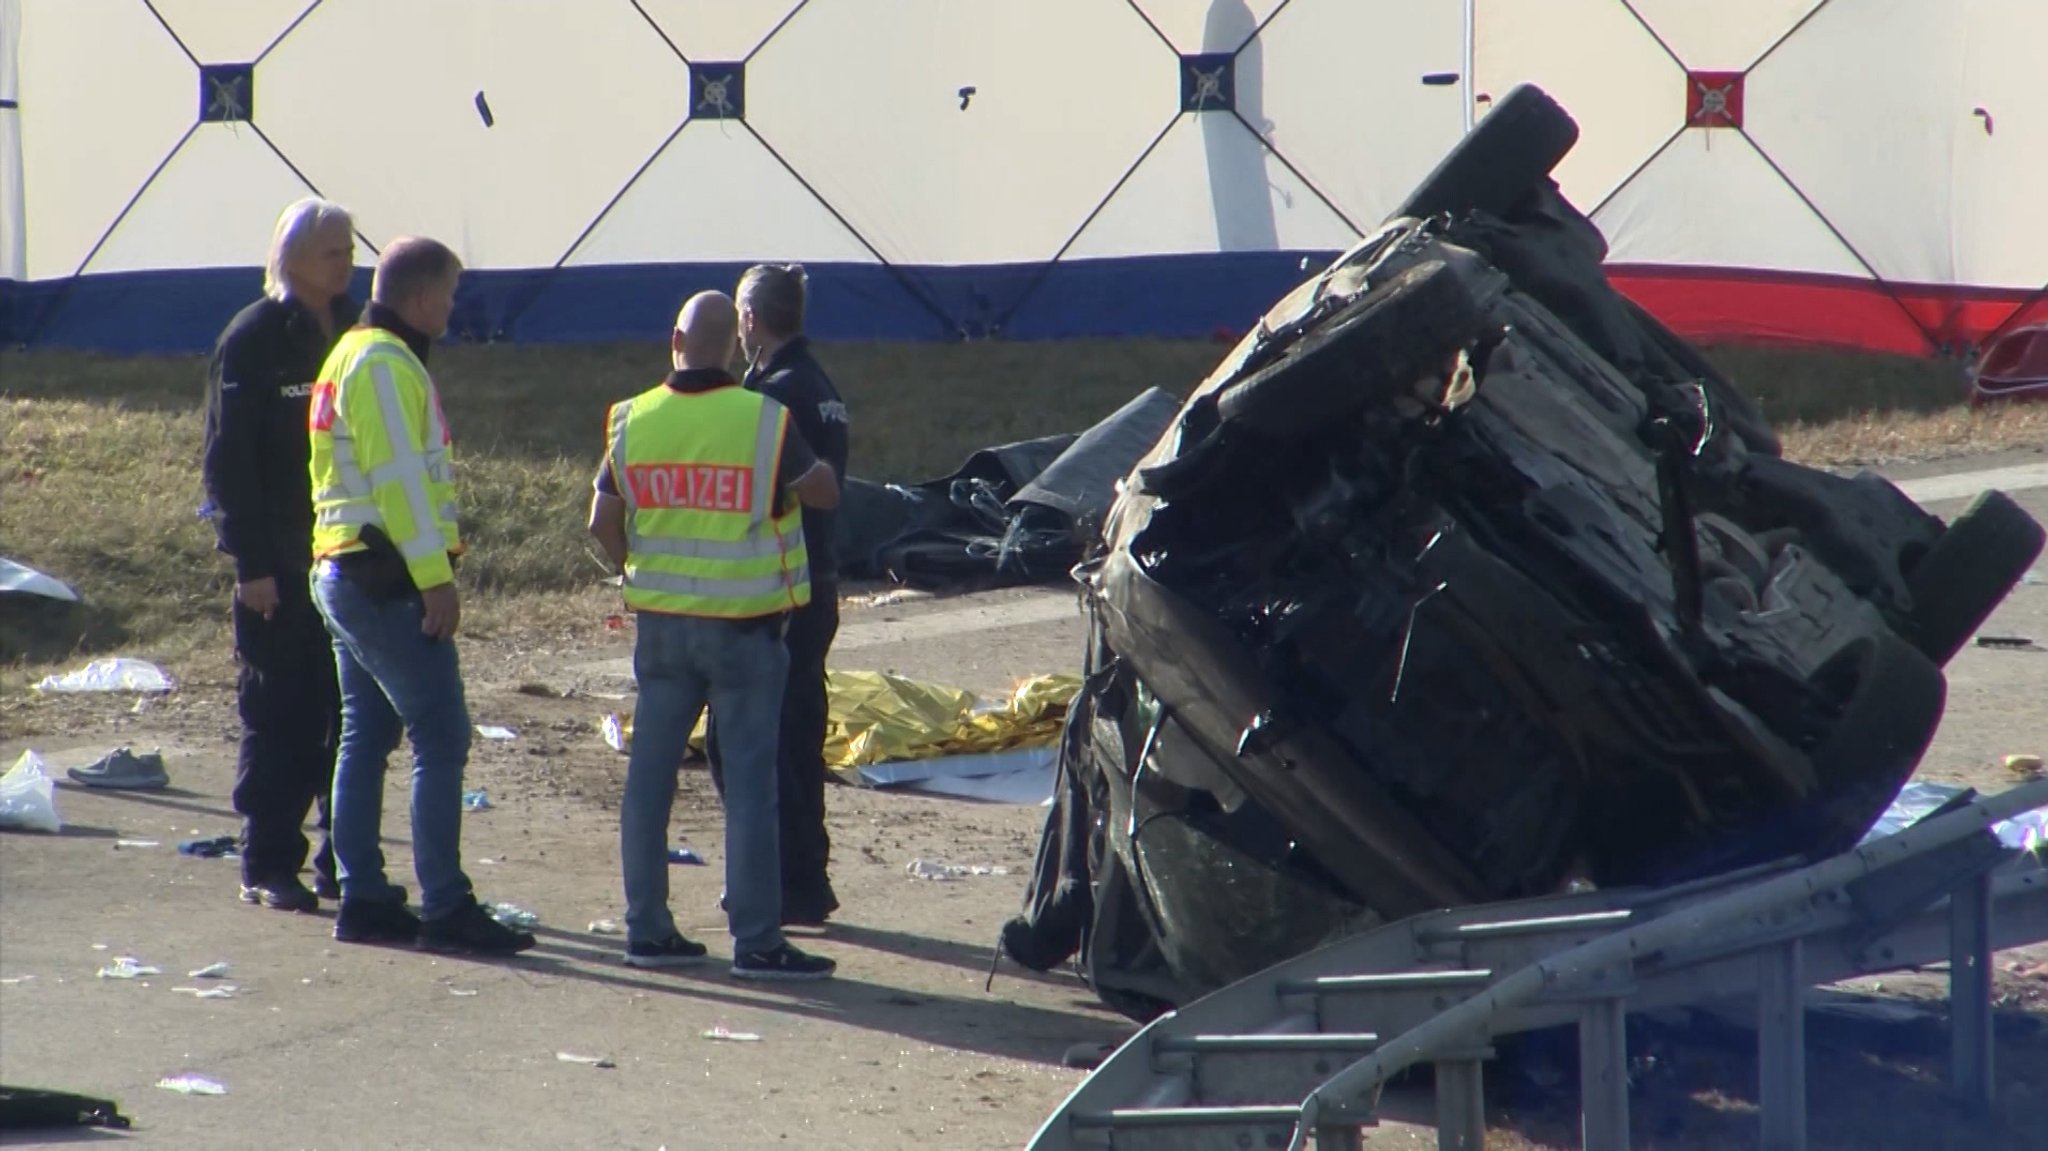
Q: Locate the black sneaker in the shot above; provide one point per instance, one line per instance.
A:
(784, 964)
(470, 929)
(281, 895)
(810, 908)
(326, 886)
(675, 951)
(369, 921)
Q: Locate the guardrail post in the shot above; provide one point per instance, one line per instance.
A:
(1460, 1105)
(1603, 1074)
(1781, 1047)
(1969, 993)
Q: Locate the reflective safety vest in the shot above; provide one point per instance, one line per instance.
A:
(380, 456)
(697, 472)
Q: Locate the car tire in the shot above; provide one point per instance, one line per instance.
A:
(1375, 349)
(1879, 738)
(1967, 571)
(1509, 150)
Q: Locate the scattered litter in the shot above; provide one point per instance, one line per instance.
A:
(492, 731)
(478, 800)
(606, 927)
(684, 855)
(192, 1085)
(224, 991)
(210, 971)
(99, 947)
(122, 769)
(24, 580)
(586, 1060)
(128, 967)
(464, 992)
(513, 916)
(2008, 642)
(13, 979)
(2029, 766)
(218, 847)
(2034, 579)
(110, 675)
(618, 731)
(2027, 831)
(932, 869)
(723, 1035)
(28, 800)
(121, 843)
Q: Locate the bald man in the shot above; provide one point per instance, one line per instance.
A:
(699, 504)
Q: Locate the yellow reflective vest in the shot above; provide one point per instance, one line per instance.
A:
(697, 473)
(380, 456)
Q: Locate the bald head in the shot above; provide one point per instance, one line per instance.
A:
(706, 331)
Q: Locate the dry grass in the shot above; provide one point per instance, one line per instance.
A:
(99, 458)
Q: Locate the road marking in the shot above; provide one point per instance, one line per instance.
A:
(1965, 485)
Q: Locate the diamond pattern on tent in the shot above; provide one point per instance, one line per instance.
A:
(1366, 142)
(1211, 186)
(1857, 111)
(717, 29)
(213, 206)
(750, 210)
(417, 156)
(215, 31)
(1721, 35)
(1711, 200)
(1067, 95)
(1197, 26)
(92, 136)
(1602, 64)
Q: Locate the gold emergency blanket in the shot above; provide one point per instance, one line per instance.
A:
(875, 717)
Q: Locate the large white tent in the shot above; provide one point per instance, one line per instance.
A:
(1860, 172)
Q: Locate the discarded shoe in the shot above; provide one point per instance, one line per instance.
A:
(123, 769)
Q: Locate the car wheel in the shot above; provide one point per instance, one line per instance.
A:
(1509, 150)
(1874, 745)
(1968, 570)
(1375, 349)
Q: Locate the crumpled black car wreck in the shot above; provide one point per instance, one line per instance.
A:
(1463, 579)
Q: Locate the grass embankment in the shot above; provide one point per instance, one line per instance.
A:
(99, 459)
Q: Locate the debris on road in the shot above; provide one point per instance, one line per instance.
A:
(224, 991)
(944, 872)
(586, 1060)
(192, 1085)
(493, 731)
(110, 675)
(684, 855)
(722, 1034)
(2009, 642)
(606, 927)
(618, 731)
(28, 798)
(214, 847)
(2026, 766)
(478, 800)
(512, 916)
(128, 967)
(20, 579)
(464, 992)
(210, 971)
(121, 769)
(121, 843)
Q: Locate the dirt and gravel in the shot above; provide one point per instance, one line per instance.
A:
(325, 1045)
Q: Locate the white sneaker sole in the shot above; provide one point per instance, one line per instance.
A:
(780, 976)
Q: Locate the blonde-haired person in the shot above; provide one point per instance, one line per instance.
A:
(253, 465)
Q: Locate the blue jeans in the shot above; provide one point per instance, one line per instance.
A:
(682, 663)
(395, 680)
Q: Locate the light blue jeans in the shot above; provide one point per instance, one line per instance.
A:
(682, 663)
(395, 680)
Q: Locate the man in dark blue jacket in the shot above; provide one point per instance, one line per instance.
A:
(259, 386)
(771, 301)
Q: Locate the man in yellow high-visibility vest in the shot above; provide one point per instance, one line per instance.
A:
(384, 536)
(694, 505)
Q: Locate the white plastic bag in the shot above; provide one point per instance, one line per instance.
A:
(119, 674)
(27, 797)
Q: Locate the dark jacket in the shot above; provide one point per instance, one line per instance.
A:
(258, 388)
(794, 378)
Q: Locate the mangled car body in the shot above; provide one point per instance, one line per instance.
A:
(1461, 579)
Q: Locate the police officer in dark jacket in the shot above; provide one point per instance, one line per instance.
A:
(771, 300)
(258, 488)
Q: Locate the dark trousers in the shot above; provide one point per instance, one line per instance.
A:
(291, 722)
(800, 750)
